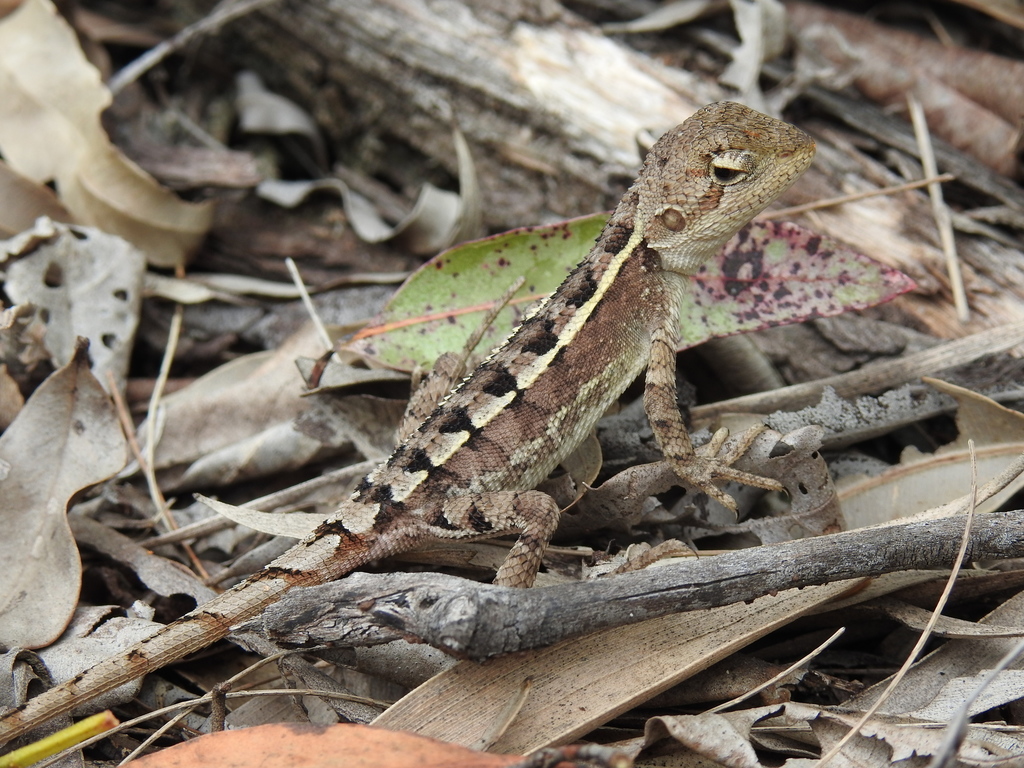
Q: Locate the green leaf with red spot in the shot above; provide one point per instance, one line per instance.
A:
(444, 301)
(771, 273)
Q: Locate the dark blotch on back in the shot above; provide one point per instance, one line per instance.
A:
(581, 289)
(498, 382)
(456, 420)
(538, 338)
(330, 527)
(418, 461)
(440, 521)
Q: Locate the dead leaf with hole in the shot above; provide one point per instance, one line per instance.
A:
(87, 284)
(66, 438)
(50, 129)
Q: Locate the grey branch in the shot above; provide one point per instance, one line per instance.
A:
(478, 621)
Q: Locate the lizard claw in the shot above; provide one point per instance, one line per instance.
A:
(709, 465)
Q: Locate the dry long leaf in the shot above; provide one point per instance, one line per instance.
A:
(66, 438)
(236, 421)
(50, 129)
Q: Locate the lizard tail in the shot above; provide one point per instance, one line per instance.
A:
(319, 562)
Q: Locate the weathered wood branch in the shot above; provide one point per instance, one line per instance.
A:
(478, 621)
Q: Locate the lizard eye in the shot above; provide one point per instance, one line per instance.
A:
(731, 166)
(727, 175)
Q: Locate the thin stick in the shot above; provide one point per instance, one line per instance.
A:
(784, 213)
(940, 210)
(221, 15)
(927, 632)
(781, 676)
(173, 334)
(308, 303)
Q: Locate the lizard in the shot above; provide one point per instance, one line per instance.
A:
(470, 469)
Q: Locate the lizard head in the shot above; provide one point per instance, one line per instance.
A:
(705, 179)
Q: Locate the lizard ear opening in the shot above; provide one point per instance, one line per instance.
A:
(673, 219)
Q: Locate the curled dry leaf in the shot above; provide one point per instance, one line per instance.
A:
(762, 28)
(262, 111)
(50, 129)
(66, 438)
(438, 219)
(89, 285)
(236, 416)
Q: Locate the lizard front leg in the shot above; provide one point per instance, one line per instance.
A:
(703, 467)
(532, 514)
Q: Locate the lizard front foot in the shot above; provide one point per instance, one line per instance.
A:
(711, 463)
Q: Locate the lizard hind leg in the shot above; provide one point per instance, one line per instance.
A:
(532, 514)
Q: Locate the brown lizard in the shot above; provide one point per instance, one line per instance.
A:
(469, 469)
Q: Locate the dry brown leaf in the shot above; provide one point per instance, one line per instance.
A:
(50, 129)
(937, 685)
(723, 738)
(89, 285)
(66, 438)
(312, 746)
